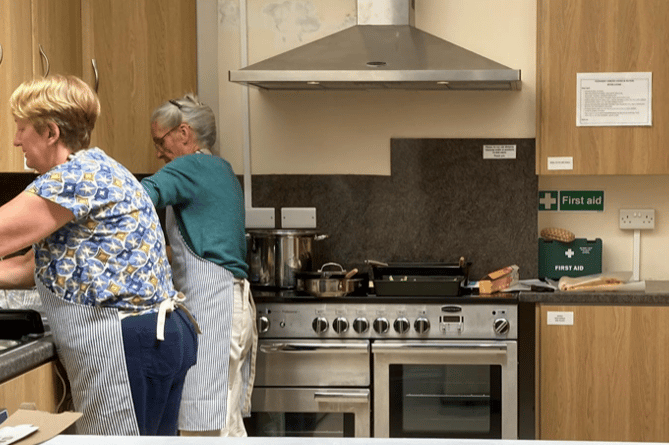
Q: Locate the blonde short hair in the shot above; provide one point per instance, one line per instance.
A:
(67, 101)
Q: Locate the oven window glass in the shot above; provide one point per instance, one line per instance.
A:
(300, 424)
(446, 401)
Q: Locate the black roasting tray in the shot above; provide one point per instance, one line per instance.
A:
(16, 324)
(420, 279)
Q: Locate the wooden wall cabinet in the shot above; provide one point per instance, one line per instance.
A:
(40, 386)
(146, 53)
(604, 378)
(34, 35)
(593, 36)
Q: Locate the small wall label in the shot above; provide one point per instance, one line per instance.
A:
(499, 152)
(560, 318)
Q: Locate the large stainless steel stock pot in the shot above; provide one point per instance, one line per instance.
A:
(274, 256)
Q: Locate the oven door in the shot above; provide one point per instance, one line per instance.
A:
(311, 388)
(310, 412)
(442, 389)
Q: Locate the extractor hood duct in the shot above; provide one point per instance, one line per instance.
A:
(383, 51)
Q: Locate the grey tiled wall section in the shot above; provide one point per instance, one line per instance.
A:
(441, 201)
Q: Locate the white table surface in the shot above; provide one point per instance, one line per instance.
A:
(145, 440)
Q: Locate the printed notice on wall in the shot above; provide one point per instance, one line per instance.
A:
(560, 318)
(614, 99)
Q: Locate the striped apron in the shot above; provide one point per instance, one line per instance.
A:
(91, 344)
(209, 290)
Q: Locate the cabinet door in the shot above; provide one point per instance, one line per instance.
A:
(56, 43)
(600, 36)
(34, 35)
(40, 386)
(606, 376)
(146, 53)
(15, 67)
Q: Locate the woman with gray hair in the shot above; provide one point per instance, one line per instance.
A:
(206, 228)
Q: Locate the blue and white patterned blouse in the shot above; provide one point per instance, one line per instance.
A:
(113, 253)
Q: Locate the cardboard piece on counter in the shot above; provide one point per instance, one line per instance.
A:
(498, 280)
(50, 425)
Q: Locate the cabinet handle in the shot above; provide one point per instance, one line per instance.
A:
(46, 59)
(0, 53)
(97, 76)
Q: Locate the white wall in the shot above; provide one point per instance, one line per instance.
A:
(349, 132)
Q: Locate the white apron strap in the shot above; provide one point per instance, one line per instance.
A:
(168, 305)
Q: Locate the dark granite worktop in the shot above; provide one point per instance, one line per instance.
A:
(656, 293)
(25, 357)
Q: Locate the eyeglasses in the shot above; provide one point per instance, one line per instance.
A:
(158, 142)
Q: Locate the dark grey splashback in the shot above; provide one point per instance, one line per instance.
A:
(441, 201)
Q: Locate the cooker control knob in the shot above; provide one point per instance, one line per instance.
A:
(381, 325)
(320, 325)
(360, 325)
(263, 324)
(401, 325)
(422, 325)
(340, 325)
(501, 326)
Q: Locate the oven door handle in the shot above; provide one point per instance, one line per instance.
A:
(313, 347)
(389, 347)
(342, 396)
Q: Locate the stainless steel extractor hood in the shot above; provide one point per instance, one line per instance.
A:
(383, 51)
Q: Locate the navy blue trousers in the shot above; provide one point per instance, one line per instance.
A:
(157, 369)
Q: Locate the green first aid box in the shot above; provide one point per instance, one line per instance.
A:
(576, 259)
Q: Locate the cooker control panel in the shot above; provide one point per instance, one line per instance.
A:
(391, 321)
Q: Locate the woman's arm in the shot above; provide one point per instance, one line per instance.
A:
(27, 219)
(18, 272)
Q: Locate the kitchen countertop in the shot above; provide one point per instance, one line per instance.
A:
(24, 357)
(656, 293)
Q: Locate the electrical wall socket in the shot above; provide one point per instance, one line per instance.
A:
(637, 219)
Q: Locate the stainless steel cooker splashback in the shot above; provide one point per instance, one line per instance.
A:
(383, 51)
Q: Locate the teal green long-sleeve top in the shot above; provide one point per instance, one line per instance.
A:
(208, 202)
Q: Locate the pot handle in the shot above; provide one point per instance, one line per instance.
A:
(376, 263)
(341, 269)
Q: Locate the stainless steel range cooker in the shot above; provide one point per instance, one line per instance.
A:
(438, 367)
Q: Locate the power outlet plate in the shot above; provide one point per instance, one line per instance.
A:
(640, 219)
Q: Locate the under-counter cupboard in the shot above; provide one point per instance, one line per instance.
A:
(602, 372)
(600, 36)
(39, 386)
(136, 53)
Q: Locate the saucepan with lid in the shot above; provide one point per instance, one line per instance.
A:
(331, 280)
(274, 256)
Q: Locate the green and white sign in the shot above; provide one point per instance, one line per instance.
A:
(572, 200)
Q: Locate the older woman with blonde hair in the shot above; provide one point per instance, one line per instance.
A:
(98, 259)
